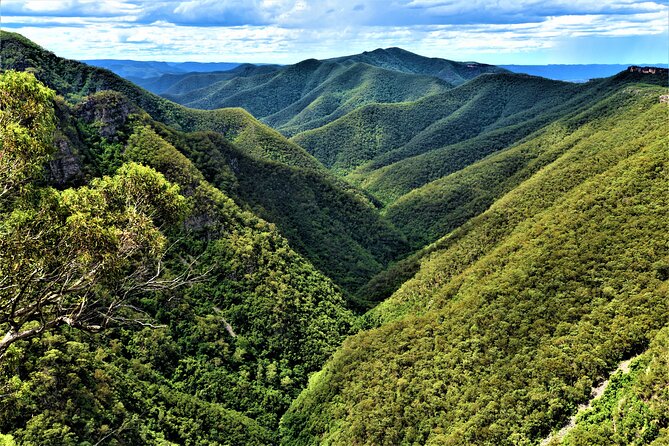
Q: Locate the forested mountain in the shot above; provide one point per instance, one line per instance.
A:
(397, 59)
(442, 254)
(312, 93)
(204, 312)
(336, 226)
(180, 83)
(515, 315)
(308, 94)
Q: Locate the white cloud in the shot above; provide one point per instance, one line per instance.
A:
(286, 31)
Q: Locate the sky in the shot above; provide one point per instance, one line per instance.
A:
(528, 32)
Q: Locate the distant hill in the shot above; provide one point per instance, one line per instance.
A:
(308, 94)
(146, 69)
(313, 93)
(572, 73)
(379, 135)
(180, 83)
(397, 59)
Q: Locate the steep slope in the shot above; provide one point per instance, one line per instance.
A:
(514, 316)
(74, 80)
(216, 360)
(428, 212)
(313, 93)
(310, 93)
(318, 213)
(378, 135)
(634, 406)
(397, 59)
(392, 149)
(328, 221)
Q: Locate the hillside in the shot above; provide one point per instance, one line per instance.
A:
(74, 80)
(514, 316)
(251, 162)
(379, 135)
(310, 93)
(397, 59)
(216, 357)
(428, 212)
(313, 93)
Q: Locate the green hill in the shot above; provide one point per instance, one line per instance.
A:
(392, 181)
(515, 315)
(397, 59)
(379, 135)
(74, 80)
(311, 93)
(428, 212)
(264, 172)
(180, 83)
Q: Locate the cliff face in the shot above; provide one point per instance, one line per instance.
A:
(107, 110)
(66, 167)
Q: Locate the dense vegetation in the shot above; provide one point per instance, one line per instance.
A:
(232, 341)
(428, 212)
(379, 135)
(635, 406)
(506, 327)
(305, 95)
(179, 276)
(313, 93)
(337, 227)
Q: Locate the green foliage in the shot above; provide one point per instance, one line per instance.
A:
(26, 129)
(226, 354)
(305, 95)
(325, 219)
(635, 406)
(331, 223)
(554, 266)
(427, 213)
(382, 134)
(75, 80)
(499, 344)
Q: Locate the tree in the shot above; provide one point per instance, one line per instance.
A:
(78, 256)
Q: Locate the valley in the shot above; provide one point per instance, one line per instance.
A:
(374, 249)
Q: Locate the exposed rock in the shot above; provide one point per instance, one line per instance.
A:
(107, 110)
(664, 99)
(65, 168)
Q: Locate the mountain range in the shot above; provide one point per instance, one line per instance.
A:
(381, 248)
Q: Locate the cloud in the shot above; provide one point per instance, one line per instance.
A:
(70, 8)
(286, 31)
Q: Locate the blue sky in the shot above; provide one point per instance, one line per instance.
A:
(286, 31)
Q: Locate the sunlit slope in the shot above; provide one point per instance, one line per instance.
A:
(428, 212)
(331, 222)
(382, 134)
(512, 319)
